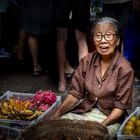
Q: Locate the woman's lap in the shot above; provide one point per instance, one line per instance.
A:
(93, 115)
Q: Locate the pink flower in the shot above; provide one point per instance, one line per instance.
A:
(49, 97)
(43, 99)
(38, 97)
(43, 107)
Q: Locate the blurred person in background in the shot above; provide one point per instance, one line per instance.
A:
(76, 12)
(132, 40)
(36, 20)
(4, 4)
(120, 10)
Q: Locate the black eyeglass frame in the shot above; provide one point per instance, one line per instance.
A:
(101, 36)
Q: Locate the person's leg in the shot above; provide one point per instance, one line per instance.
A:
(68, 69)
(81, 16)
(33, 45)
(82, 44)
(21, 43)
(61, 57)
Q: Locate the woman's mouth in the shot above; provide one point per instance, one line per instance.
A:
(104, 49)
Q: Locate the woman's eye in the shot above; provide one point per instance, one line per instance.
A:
(107, 35)
(98, 35)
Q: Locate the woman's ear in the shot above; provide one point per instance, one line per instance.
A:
(118, 42)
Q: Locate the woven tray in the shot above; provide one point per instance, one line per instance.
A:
(66, 130)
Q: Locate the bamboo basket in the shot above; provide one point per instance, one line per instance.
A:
(66, 130)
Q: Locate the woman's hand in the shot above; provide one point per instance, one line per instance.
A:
(69, 102)
(103, 123)
(56, 115)
(113, 117)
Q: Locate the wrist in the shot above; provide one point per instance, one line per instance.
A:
(58, 111)
(105, 122)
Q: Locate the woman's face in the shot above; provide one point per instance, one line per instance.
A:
(105, 39)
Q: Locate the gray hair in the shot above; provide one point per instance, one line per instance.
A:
(111, 20)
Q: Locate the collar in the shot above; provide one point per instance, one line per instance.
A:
(114, 59)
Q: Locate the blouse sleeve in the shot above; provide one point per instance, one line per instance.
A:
(125, 90)
(78, 80)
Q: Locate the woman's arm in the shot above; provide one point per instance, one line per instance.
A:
(113, 117)
(69, 102)
(123, 99)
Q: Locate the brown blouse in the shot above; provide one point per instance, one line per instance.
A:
(113, 90)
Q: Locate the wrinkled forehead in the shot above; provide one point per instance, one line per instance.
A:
(104, 27)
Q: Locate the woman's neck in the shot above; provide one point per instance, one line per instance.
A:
(105, 59)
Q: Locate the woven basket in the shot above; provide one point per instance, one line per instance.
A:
(66, 130)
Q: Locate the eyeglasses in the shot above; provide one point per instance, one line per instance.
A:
(107, 37)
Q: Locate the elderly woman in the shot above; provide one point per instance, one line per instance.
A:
(101, 88)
